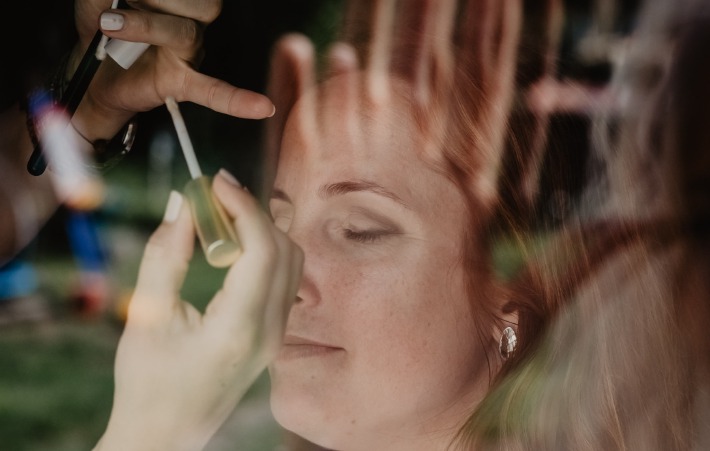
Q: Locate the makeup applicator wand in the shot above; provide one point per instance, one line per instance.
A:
(215, 231)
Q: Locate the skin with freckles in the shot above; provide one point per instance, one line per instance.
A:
(381, 344)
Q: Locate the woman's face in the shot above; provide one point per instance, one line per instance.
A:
(380, 345)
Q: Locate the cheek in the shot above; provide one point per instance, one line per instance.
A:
(413, 345)
(410, 309)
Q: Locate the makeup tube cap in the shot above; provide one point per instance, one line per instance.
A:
(214, 230)
(125, 53)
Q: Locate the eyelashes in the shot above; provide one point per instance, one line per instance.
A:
(353, 228)
(367, 236)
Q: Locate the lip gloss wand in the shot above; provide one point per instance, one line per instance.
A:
(215, 231)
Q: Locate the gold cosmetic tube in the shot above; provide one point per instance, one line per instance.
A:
(214, 229)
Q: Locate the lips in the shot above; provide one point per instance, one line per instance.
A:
(294, 340)
(295, 346)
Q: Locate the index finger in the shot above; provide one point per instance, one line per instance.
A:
(222, 97)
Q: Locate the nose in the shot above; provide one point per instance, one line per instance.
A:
(308, 292)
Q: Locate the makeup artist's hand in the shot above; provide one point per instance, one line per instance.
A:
(179, 373)
(168, 68)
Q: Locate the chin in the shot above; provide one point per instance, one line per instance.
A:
(297, 415)
(302, 415)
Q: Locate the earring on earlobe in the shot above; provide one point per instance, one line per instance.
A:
(508, 342)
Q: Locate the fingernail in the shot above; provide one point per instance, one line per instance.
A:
(111, 21)
(173, 209)
(229, 178)
(273, 111)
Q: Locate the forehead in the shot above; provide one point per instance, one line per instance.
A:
(341, 120)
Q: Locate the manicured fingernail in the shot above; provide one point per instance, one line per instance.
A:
(173, 209)
(263, 109)
(111, 21)
(229, 178)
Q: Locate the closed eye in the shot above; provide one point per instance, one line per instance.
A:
(367, 236)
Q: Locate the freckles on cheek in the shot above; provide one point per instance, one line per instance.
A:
(393, 299)
(412, 315)
(435, 298)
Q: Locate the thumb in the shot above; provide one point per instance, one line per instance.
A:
(165, 263)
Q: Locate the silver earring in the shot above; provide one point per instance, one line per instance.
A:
(508, 341)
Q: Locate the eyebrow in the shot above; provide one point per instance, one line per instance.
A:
(337, 189)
